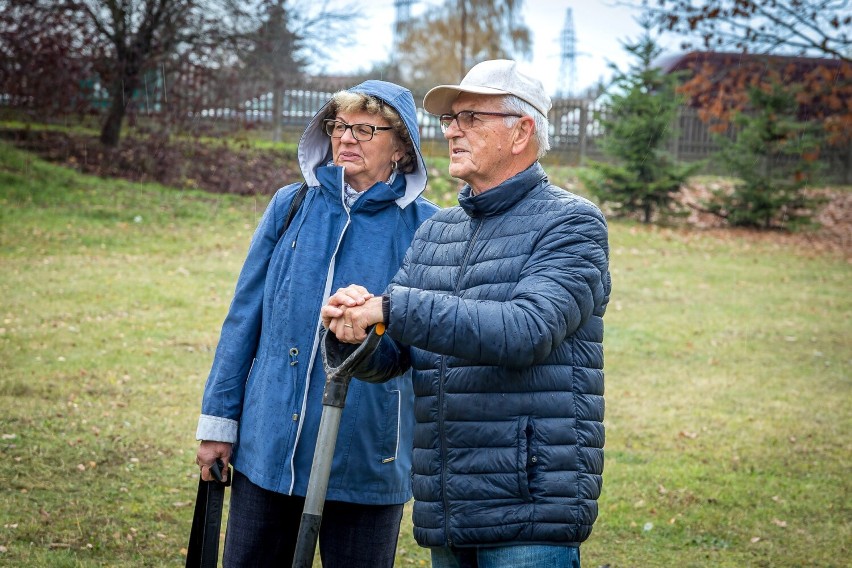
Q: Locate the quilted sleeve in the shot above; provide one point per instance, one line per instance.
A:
(560, 286)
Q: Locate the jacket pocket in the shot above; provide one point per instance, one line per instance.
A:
(251, 384)
(526, 457)
(390, 445)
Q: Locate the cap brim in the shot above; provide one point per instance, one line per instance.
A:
(439, 100)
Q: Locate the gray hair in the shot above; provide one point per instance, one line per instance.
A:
(515, 105)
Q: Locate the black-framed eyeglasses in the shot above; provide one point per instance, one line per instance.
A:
(361, 132)
(465, 118)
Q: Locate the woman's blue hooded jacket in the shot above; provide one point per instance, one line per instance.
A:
(264, 391)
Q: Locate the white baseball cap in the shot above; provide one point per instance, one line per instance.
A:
(493, 77)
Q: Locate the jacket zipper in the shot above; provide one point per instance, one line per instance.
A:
(329, 278)
(442, 378)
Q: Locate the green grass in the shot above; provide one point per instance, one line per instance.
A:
(728, 382)
(728, 392)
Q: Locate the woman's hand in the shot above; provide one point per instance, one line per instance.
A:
(349, 297)
(350, 312)
(208, 451)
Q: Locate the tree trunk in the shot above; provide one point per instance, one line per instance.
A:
(122, 92)
(111, 131)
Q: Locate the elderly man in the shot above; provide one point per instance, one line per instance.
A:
(498, 310)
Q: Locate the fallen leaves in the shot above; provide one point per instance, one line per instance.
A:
(834, 219)
(214, 168)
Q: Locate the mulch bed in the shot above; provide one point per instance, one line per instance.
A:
(217, 168)
(833, 221)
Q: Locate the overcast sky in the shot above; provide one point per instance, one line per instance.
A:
(600, 27)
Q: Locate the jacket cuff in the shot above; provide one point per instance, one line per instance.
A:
(385, 308)
(216, 429)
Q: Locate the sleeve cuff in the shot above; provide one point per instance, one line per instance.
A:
(385, 308)
(216, 429)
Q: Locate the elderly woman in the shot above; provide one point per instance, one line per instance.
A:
(262, 403)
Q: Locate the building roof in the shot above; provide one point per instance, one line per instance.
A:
(689, 60)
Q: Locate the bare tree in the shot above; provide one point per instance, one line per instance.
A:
(43, 57)
(136, 37)
(50, 50)
(780, 27)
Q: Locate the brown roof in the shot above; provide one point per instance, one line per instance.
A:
(689, 60)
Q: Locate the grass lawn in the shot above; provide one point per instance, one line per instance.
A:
(728, 382)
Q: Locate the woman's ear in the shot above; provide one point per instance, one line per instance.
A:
(398, 154)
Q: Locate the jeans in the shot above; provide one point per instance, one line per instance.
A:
(263, 526)
(521, 556)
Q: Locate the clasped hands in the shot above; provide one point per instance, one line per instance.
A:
(350, 312)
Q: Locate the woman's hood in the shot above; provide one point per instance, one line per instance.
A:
(315, 145)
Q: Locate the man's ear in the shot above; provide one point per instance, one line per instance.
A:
(522, 134)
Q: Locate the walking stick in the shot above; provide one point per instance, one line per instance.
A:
(333, 400)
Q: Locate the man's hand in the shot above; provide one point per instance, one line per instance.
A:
(207, 454)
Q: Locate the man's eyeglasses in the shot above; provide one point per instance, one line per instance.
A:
(465, 118)
(361, 132)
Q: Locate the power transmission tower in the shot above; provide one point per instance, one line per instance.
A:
(568, 65)
(403, 17)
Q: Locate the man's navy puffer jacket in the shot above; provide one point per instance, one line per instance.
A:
(498, 308)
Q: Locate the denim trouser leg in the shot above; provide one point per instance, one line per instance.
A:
(522, 556)
(263, 526)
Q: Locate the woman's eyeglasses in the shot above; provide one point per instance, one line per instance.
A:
(465, 118)
(361, 132)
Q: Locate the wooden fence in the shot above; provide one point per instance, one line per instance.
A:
(576, 129)
(194, 98)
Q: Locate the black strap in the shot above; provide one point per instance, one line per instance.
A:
(294, 206)
(203, 549)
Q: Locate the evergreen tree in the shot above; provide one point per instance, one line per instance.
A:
(773, 157)
(643, 177)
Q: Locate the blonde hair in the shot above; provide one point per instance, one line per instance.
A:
(346, 101)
